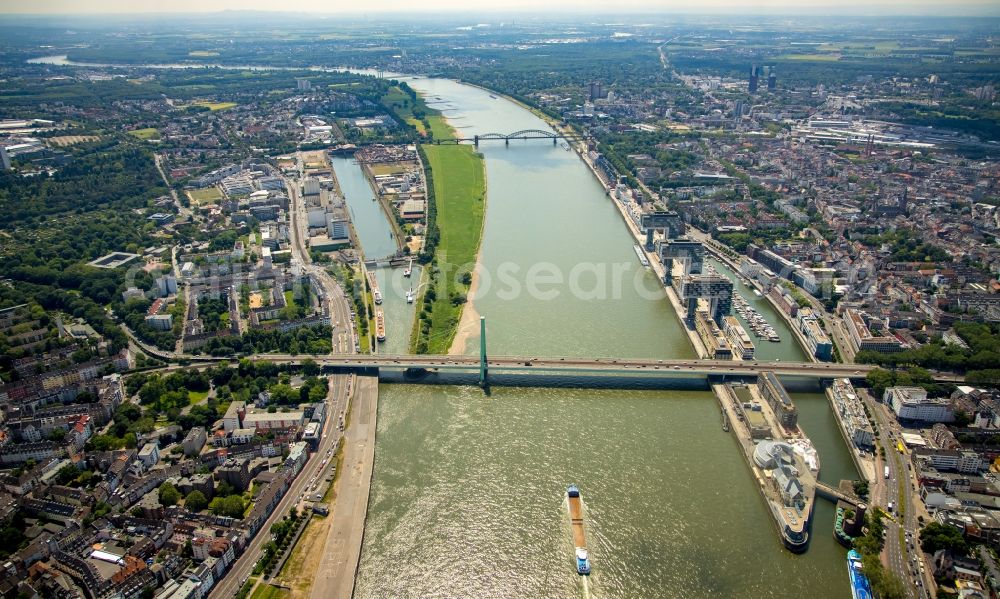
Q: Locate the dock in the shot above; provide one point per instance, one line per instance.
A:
(773, 452)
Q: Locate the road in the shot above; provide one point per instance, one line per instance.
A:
(337, 402)
(344, 336)
(903, 556)
(577, 365)
(337, 398)
(342, 549)
(184, 211)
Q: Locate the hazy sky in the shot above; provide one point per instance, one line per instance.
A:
(931, 7)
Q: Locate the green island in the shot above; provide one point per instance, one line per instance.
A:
(456, 197)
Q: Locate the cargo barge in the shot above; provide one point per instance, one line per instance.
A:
(575, 506)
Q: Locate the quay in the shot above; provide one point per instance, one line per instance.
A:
(342, 546)
(777, 452)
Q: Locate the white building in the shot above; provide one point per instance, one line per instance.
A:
(310, 187)
(852, 414)
(912, 403)
(149, 455)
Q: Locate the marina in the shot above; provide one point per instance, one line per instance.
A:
(758, 324)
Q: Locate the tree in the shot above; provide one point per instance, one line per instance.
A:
(878, 380)
(169, 495)
(231, 506)
(936, 536)
(67, 474)
(310, 367)
(195, 501)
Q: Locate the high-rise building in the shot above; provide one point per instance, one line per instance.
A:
(772, 79)
(4, 158)
(303, 84)
(754, 78)
(596, 90)
(738, 110)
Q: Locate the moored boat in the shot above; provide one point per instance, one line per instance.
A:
(860, 587)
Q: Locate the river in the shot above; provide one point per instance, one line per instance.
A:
(467, 495)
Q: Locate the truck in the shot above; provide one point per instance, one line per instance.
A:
(887, 472)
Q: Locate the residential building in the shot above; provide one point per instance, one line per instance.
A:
(912, 403)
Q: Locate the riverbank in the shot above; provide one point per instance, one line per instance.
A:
(456, 192)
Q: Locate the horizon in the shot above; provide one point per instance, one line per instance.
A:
(452, 8)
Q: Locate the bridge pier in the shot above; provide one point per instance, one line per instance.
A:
(483, 362)
(555, 141)
(506, 141)
(475, 141)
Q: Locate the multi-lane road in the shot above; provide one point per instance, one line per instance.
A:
(337, 402)
(902, 554)
(313, 470)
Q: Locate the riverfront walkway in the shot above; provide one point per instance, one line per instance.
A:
(342, 549)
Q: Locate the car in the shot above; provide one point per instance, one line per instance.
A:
(677, 367)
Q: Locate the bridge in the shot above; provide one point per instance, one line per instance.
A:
(834, 494)
(507, 137)
(577, 366)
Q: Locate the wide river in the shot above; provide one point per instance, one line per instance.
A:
(467, 496)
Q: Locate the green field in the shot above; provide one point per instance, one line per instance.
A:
(206, 195)
(460, 192)
(149, 133)
(266, 591)
(811, 57)
(214, 106)
(197, 397)
(399, 102)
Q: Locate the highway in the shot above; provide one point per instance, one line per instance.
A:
(340, 307)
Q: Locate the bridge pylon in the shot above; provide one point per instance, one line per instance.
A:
(483, 368)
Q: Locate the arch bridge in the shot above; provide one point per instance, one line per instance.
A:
(524, 134)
